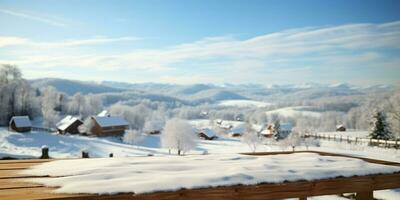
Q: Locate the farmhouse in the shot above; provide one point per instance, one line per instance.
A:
(237, 131)
(340, 128)
(20, 124)
(207, 134)
(69, 124)
(269, 132)
(108, 126)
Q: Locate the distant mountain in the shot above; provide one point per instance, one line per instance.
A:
(71, 87)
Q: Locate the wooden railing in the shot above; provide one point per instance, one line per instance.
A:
(356, 140)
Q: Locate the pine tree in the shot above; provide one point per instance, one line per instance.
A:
(379, 127)
(277, 130)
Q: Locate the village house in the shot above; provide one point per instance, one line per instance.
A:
(340, 128)
(269, 131)
(108, 126)
(69, 124)
(20, 124)
(207, 134)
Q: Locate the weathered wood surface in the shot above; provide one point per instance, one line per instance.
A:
(14, 186)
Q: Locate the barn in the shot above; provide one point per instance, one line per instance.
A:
(108, 126)
(207, 134)
(340, 128)
(69, 124)
(20, 124)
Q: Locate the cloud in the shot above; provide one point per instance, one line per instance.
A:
(11, 41)
(351, 45)
(46, 20)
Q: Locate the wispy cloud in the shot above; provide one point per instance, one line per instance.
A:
(34, 17)
(238, 60)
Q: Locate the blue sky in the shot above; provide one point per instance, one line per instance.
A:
(265, 42)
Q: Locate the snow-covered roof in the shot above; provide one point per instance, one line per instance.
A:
(66, 122)
(208, 132)
(266, 132)
(110, 121)
(238, 130)
(103, 113)
(340, 126)
(21, 121)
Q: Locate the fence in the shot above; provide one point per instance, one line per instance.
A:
(356, 140)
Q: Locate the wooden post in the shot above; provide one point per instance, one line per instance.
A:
(369, 195)
(302, 198)
(45, 153)
(85, 154)
(111, 155)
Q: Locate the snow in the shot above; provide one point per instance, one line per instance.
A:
(21, 121)
(294, 111)
(195, 171)
(243, 103)
(103, 113)
(66, 122)
(110, 121)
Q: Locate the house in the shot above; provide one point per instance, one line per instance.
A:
(340, 128)
(20, 124)
(237, 131)
(269, 131)
(108, 126)
(69, 124)
(207, 134)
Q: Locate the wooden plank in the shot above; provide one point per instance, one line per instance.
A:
(32, 193)
(368, 195)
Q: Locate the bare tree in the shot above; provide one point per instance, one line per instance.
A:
(250, 137)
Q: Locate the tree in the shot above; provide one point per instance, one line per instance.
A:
(379, 127)
(86, 127)
(49, 104)
(250, 138)
(293, 140)
(277, 130)
(179, 135)
(133, 137)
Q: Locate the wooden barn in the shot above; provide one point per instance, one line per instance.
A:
(340, 128)
(69, 124)
(109, 126)
(207, 134)
(20, 124)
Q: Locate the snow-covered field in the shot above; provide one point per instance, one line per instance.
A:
(294, 111)
(244, 103)
(195, 171)
(28, 145)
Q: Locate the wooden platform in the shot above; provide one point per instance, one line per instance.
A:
(14, 186)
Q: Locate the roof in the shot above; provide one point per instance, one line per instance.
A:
(340, 126)
(208, 132)
(110, 121)
(21, 121)
(266, 132)
(103, 113)
(66, 122)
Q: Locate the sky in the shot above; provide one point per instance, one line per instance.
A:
(184, 42)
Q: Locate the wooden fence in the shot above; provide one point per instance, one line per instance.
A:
(356, 140)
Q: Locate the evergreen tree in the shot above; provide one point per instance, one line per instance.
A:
(277, 130)
(379, 127)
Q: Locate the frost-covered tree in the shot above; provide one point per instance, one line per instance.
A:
(133, 137)
(250, 138)
(87, 126)
(154, 123)
(379, 127)
(49, 104)
(179, 135)
(293, 140)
